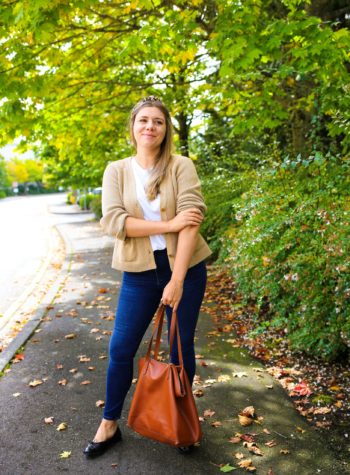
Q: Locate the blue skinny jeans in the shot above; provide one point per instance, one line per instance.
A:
(139, 299)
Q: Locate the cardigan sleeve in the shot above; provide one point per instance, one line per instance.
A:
(113, 211)
(189, 193)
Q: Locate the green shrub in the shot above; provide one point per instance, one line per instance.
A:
(221, 192)
(292, 248)
(96, 206)
(85, 200)
(2, 194)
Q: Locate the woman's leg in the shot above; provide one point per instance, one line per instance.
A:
(187, 312)
(138, 301)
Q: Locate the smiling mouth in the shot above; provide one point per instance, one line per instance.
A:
(148, 135)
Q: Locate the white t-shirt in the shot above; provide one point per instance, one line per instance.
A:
(151, 209)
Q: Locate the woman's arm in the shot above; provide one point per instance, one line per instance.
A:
(185, 247)
(136, 227)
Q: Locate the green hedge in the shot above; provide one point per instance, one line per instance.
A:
(96, 206)
(290, 244)
(85, 200)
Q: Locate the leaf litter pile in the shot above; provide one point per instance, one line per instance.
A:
(320, 391)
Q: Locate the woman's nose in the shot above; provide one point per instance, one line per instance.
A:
(149, 124)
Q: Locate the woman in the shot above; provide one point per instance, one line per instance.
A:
(152, 204)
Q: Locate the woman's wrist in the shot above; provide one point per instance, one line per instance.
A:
(177, 280)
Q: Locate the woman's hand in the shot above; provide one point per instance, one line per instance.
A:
(172, 294)
(188, 217)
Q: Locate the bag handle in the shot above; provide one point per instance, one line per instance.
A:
(158, 325)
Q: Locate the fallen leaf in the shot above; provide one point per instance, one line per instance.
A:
(239, 455)
(284, 451)
(247, 463)
(100, 403)
(244, 420)
(84, 359)
(63, 382)
(19, 356)
(91, 368)
(223, 378)
(335, 388)
(65, 454)
(59, 366)
(84, 383)
(198, 392)
(70, 336)
(198, 357)
(208, 413)
(271, 443)
(235, 440)
(73, 370)
(216, 424)
(240, 374)
(227, 468)
(35, 383)
(16, 394)
(301, 389)
(248, 411)
(62, 426)
(247, 437)
(114, 465)
(322, 410)
(49, 420)
(252, 447)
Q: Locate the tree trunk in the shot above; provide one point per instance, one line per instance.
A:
(183, 132)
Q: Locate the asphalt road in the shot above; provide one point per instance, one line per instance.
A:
(27, 242)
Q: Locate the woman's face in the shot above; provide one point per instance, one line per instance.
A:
(149, 128)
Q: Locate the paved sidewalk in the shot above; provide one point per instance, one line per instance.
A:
(67, 353)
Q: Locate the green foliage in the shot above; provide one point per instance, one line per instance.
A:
(221, 192)
(85, 200)
(4, 178)
(96, 206)
(292, 247)
(71, 198)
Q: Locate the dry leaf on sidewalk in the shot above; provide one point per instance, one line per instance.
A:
(65, 454)
(62, 426)
(35, 382)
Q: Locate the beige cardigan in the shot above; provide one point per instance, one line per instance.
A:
(179, 190)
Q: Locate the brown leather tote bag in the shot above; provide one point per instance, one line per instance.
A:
(163, 406)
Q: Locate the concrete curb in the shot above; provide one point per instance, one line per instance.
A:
(29, 328)
(68, 209)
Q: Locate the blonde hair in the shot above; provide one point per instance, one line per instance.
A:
(166, 147)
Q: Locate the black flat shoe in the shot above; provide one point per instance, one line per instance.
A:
(185, 449)
(94, 449)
